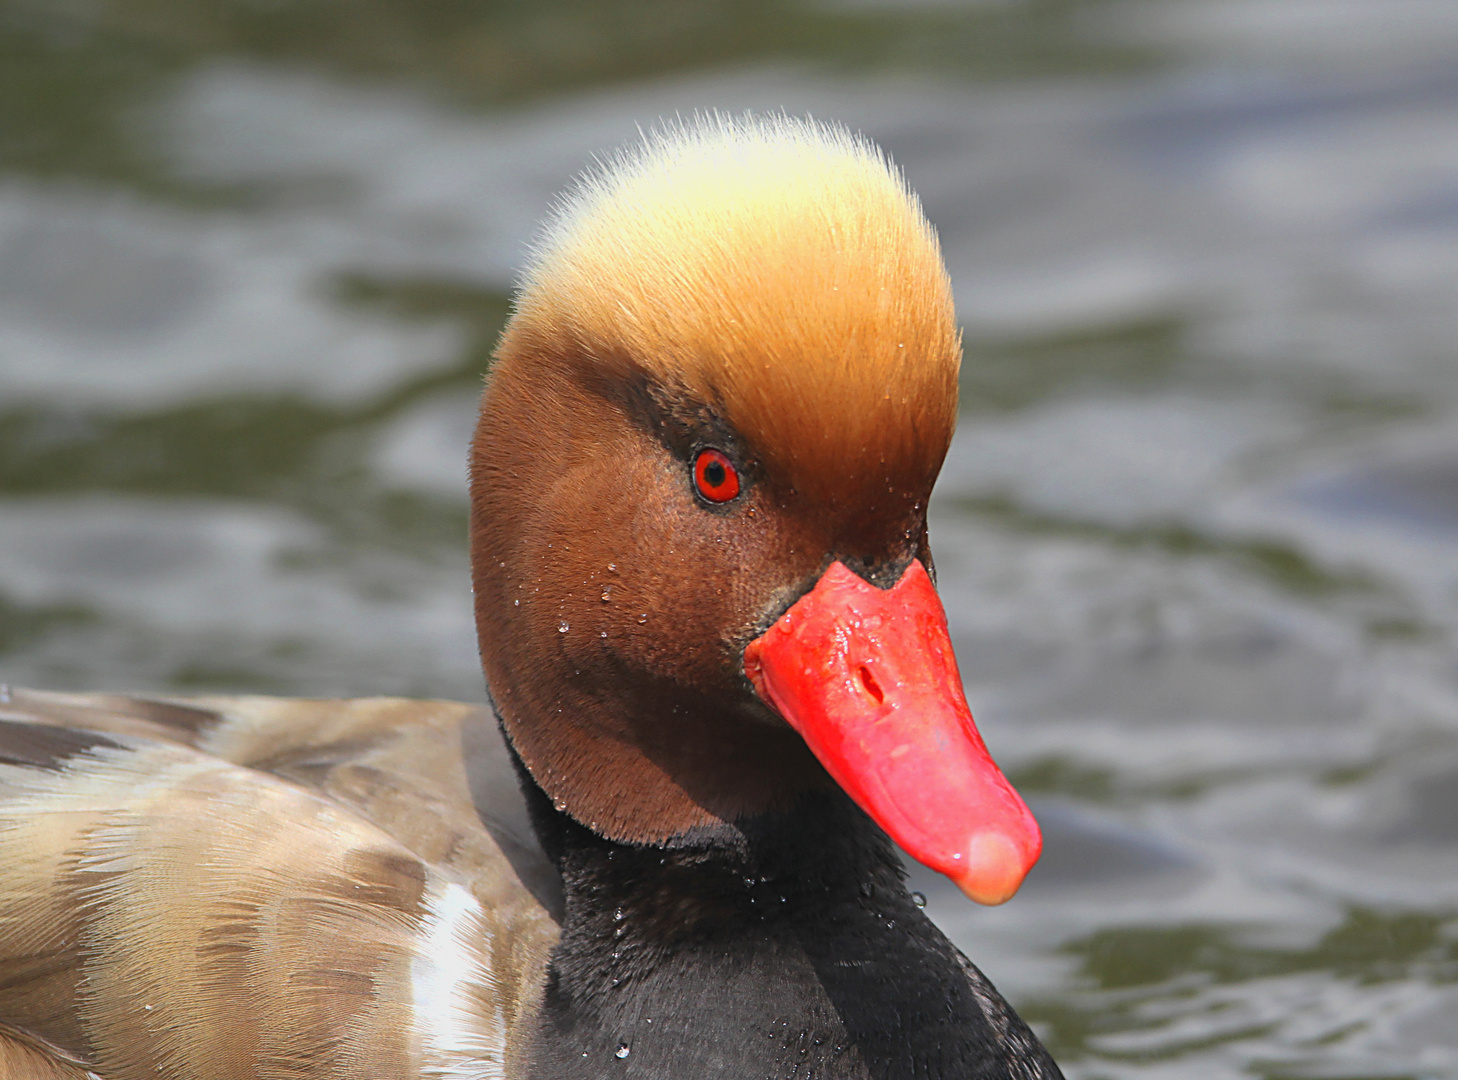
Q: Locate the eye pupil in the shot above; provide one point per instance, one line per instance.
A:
(715, 476)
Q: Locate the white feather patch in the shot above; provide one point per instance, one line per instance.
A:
(462, 1030)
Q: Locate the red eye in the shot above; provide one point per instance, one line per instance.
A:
(715, 476)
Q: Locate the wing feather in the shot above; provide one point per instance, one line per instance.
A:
(258, 887)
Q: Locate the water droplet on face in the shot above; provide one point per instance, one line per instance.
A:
(642, 618)
(619, 915)
(602, 633)
(919, 899)
(607, 593)
(562, 627)
(516, 603)
(613, 567)
(622, 1051)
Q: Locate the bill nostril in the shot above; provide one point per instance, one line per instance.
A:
(869, 682)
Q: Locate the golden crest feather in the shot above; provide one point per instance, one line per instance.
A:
(775, 269)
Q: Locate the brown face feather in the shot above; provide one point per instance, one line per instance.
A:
(767, 289)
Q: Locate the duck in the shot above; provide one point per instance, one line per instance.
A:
(722, 695)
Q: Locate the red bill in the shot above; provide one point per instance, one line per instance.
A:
(868, 679)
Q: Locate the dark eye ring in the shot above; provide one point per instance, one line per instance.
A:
(715, 476)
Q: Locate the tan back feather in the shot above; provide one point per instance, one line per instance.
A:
(23, 1056)
(166, 912)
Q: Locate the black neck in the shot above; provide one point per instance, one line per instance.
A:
(787, 946)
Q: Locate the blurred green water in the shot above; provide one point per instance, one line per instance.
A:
(1193, 537)
(73, 72)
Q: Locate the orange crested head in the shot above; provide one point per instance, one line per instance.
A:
(780, 272)
(699, 502)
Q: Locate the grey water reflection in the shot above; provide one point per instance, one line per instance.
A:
(1198, 535)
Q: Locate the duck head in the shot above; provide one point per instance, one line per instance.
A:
(699, 491)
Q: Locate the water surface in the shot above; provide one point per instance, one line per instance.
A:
(1198, 535)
